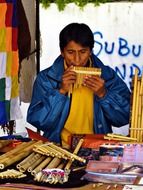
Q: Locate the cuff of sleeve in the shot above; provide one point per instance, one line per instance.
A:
(103, 98)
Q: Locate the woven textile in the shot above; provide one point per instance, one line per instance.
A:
(9, 62)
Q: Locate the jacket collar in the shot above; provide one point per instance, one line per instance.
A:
(57, 69)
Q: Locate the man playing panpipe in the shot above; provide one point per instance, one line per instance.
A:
(102, 101)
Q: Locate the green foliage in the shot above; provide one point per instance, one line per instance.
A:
(81, 3)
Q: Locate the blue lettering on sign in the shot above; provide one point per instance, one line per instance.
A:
(124, 49)
(99, 45)
(123, 70)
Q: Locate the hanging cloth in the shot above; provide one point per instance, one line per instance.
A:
(9, 62)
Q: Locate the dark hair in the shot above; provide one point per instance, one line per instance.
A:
(79, 33)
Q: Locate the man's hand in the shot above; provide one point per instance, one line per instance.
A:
(68, 78)
(96, 84)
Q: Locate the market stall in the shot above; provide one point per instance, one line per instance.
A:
(100, 162)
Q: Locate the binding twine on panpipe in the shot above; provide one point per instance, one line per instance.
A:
(81, 73)
(136, 125)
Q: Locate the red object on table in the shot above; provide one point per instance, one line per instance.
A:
(35, 136)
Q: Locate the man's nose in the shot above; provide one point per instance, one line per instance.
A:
(77, 58)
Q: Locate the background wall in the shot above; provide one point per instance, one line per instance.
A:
(118, 34)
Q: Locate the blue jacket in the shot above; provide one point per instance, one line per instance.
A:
(49, 109)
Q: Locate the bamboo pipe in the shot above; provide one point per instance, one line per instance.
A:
(141, 89)
(136, 109)
(25, 160)
(15, 150)
(142, 119)
(47, 149)
(41, 166)
(118, 139)
(68, 165)
(61, 165)
(54, 163)
(141, 93)
(121, 137)
(67, 153)
(16, 157)
(4, 143)
(81, 73)
(41, 152)
(134, 101)
(25, 166)
(139, 116)
(36, 163)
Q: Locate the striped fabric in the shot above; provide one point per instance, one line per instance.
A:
(9, 62)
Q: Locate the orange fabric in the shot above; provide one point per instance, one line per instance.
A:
(3, 8)
(15, 63)
(8, 39)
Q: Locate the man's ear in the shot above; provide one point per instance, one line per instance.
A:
(62, 54)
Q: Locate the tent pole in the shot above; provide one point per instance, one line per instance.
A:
(38, 40)
(37, 36)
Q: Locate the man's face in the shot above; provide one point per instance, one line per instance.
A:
(76, 55)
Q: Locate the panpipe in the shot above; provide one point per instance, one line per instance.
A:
(58, 165)
(51, 149)
(136, 124)
(11, 173)
(81, 73)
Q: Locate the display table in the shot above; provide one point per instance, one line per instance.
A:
(75, 181)
(86, 187)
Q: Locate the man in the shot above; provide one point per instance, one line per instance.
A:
(101, 101)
